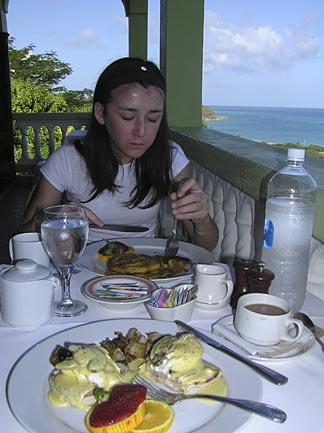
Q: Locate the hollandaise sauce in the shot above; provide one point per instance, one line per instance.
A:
(177, 362)
(74, 379)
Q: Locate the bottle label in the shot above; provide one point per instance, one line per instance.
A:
(268, 233)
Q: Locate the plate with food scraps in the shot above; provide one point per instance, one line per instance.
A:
(25, 392)
(118, 292)
(150, 247)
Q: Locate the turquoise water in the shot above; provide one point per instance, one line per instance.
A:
(270, 124)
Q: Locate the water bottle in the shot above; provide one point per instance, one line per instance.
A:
(289, 217)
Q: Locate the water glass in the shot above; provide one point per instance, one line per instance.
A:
(64, 231)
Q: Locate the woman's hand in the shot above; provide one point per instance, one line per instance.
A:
(190, 202)
(92, 217)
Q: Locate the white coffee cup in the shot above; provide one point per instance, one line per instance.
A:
(27, 295)
(28, 246)
(266, 320)
(214, 286)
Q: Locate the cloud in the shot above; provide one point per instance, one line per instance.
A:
(305, 46)
(253, 48)
(84, 40)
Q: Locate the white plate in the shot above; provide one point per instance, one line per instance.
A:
(282, 351)
(94, 290)
(151, 247)
(27, 384)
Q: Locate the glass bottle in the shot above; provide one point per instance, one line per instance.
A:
(289, 217)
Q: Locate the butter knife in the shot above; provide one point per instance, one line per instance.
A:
(119, 227)
(267, 373)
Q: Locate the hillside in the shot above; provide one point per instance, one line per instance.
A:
(208, 114)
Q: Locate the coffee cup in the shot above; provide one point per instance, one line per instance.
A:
(265, 320)
(27, 295)
(28, 246)
(214, 286)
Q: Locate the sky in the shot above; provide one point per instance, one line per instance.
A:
(256, 52)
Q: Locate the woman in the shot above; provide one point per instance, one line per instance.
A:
(125, 165)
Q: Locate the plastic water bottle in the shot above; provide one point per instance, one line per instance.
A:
(289, 217)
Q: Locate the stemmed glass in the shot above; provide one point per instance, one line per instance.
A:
(64, 231)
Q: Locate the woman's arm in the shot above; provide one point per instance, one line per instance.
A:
(47, 195)
(44, 195)
(190, 204)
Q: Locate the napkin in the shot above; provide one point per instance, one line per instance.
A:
(225, 329)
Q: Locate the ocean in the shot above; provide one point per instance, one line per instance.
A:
(270, 124)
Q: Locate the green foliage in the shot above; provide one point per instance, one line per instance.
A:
(34, 80)
(208, 114)
(41, 69)
(28, 97)
(78, 100)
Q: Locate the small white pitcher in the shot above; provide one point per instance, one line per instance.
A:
(27, 294)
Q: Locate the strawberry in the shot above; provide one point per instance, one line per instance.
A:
(122, 402)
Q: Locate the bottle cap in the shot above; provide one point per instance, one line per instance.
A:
(297, 155)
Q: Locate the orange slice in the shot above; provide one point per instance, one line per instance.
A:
(158, 418)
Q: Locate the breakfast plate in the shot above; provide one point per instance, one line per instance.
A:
(282, 351)
(151, 247)
(27, 393)
(118, 292)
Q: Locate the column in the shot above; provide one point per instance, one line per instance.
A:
(136, 11)
(181, 59)
(7, 164)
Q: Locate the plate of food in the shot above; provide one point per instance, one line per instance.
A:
(142, 257)
(63, 409)
(118, 292)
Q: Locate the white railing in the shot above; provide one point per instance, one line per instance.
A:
(56, 125)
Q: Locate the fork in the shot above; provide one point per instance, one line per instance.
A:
(171, 398)
(172, 245)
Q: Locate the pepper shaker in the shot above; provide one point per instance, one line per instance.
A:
(241, 267)
(259, 279)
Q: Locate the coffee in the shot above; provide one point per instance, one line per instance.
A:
(267, 309)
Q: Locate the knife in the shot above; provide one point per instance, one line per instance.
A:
(119, 228)
(267, 373)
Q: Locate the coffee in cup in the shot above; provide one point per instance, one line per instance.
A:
(266, 320)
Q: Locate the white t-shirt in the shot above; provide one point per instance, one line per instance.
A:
(65, 169)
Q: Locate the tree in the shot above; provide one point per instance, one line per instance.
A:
(41, 69)
(34, 79)
(79, 100)
(28, 97)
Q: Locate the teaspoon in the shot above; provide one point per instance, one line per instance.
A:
(310, 325)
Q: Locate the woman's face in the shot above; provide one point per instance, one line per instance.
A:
(132, 119)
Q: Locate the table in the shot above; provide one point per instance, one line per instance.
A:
(301, 398)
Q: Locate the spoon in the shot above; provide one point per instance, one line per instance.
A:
(310, 325)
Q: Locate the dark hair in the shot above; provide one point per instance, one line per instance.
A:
(153, 168)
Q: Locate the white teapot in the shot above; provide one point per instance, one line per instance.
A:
(27, 294)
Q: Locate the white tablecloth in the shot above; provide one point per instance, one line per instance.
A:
(301, 398)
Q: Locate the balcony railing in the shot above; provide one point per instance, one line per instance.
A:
(233, 172)
(55, 125)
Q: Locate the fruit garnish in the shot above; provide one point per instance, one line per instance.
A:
(158, 418)
(121, 413)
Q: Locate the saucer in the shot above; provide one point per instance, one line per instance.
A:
(284, 350)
